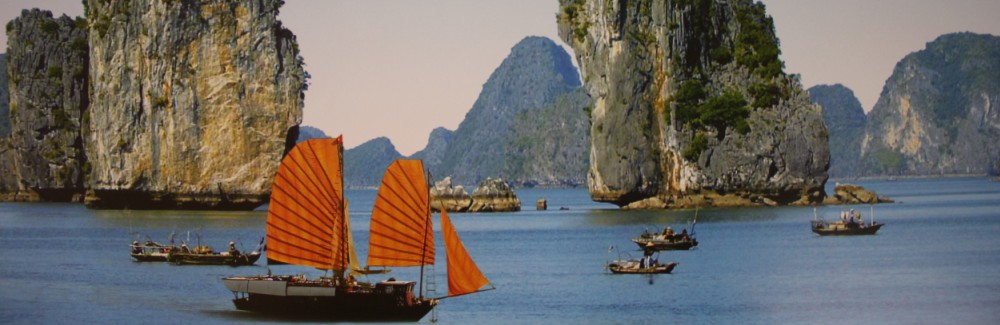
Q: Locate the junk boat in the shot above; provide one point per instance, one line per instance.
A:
(307, 225)
(850, 223)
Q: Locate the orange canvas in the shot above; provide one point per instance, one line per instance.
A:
(401, 230)
(305, 219)
(463, 274)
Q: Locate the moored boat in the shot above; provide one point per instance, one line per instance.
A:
(850, 223)
(663, 242)
(151, 251)
(204, 255)
(307, 225)
(668, 240)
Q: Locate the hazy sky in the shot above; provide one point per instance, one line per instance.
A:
(402, 68)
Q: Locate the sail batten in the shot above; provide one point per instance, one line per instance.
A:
(401, 232)
(305, 222)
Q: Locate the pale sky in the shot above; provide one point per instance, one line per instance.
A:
(402, 68)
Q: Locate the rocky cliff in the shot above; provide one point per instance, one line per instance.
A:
(365, 164)
(845, 120)
(691, 106)
(549, 145)
(47, 70)
(938, 112)
(437, 148)
(534, 74)
(193, 103)
(8, 182)
(4, 99)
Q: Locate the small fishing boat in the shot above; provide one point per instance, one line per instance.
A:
(648, 264)
(151, 251)
(664, 242)
(634, 267)
(204, 255)
(667, 240)
(307, 225)
(850, 223)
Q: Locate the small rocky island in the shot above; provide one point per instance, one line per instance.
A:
(492, 195)
(854, 194)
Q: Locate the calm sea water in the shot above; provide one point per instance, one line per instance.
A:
(937, 260)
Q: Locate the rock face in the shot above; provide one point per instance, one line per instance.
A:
(193, 103)
(494, 195)
(365, 164)
(532, 77)
(4, 99)
(938, 112)
(845, 119)
(450, 198)
(550, 145)
(437, 147)
(47, 69)
(690, 100)
(8, 178)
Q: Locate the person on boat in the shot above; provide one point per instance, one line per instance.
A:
(647, 257)
(684, 234)
(669, 233)
(135, 247)
(232, 249)
(851, 220)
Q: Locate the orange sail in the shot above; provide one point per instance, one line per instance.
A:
(463, 274)
(306, 216)
(401, 232)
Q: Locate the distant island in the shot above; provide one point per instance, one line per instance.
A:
(536, 138)
(937, 115)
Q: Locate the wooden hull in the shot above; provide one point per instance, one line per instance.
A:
(354, 307)
(665, 245)
(159, 257)
(626, 268)
(215, 259)
(328, 301)
(844, 231)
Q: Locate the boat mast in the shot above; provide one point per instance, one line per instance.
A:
(343, 213)
(423, 248)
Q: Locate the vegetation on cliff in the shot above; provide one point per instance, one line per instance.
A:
(46, 68)
(526, 116)
(938, 111)
(690, 96)
(845, 119)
